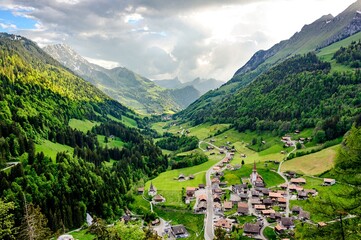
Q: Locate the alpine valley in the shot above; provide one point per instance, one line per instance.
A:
(274, 153)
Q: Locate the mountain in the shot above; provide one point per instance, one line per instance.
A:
(202, 85)
(121, 84)
(312, 37)
(64, 172)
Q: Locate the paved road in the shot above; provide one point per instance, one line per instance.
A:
(208, 221)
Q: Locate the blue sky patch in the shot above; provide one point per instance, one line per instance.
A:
(7, 19)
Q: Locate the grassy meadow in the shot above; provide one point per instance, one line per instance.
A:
(50, 149)
(82, 125)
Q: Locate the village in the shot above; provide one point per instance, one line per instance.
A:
(223, 204)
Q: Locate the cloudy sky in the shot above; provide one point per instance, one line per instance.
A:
(165, 38)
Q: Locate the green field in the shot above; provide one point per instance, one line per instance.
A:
(50, 149)
(82, 125)
(270, 177)
(112, 143)
(312, 164)
(171, 189)
(129, 122)
(83, 235)
(269, 233)
(193, 222)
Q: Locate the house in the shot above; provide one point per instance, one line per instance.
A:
(282, 200)
(216, 198)
(255, 201)
(234, 198)
(126, 218)
(328, 181)
(287, 222)
(268, 212)
(302, 195)
(265, 191)
(191, 176)
(321, 224)
(242, 208)
(202, 206)
(224, 223)
(155, 222)
(275, 216)
(140, 190)
(240, 188)
(218, 191)
(217, 207)
(255, 193)
(296, 209)
(267, 201)
(158, 199)
(275, 195)
(295, 188)
(298, 181)
(201, 186)
(179, 231)
(202, 197)
(251, 229)
(65, 237)
(304, 215)
(259, 207)
(243, 196)
(152, 190)
(279, 228)
(227, 206)
(181, 177)
(190, 191)
(223, 184)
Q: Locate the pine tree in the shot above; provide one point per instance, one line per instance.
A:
(34, 224)
(7, 229)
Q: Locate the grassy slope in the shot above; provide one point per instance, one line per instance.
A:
(313, 164)
(116, 143)
(82, 125)
(83, 235)
(125, 120)
(50, 149)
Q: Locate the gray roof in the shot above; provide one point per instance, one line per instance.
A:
(251, 228)
(179, 229)
(287, 221)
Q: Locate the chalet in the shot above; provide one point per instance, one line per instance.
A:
(267, 201)
(240, 188)
(291, 174)
(260, 207)
(202, 206)
(155, 222)
(227, 206)
(212, 153)
(275, 195)
(283, 186)
(218, 191)
(217, 207)
(234, 198)
(243, 196)
(216, 168)
(268, 212)
(216, 198)
(304, 215)
(181, 177)
(219, 174)
(224, 223)
(216, 180)
(221, 151)
(312, 192)
(237, 166)
(255, 201)
(212, 140)
(287, 222)
(279, 228)
(282, 200)
(65, 237)
(158, 199)
(190, 191)
(179, 231)
(242, 211)
(140, 190)
(265, 191)
(297, 131)
(250, 229)
(328, 181)
(302, 195)
(242, 208)
(295, 188)
(275, 216)
(201, 186)
(202, 197)
(298, 181)
(255, 193)
(243, 155)
(263, 142)
(152, 190)
(191, 176)
(296, 209)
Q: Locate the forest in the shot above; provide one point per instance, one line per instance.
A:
(37, 99)
(350, 55)
(299, 93)
(178, 143)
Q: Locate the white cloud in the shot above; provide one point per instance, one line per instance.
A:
(104, 63)
(162, 38)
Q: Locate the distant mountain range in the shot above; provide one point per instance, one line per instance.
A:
(202, 85)
(125, 86)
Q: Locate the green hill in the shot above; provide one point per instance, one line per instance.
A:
(63, 170)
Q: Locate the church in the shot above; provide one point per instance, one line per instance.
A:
(256, 179)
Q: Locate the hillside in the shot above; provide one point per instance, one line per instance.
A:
(315, 36)
(62, 170)
(123, 85)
